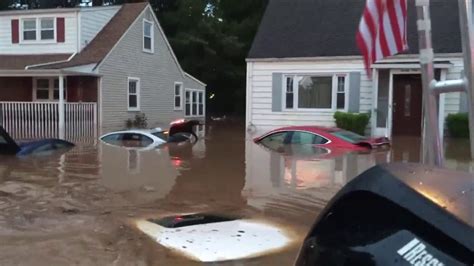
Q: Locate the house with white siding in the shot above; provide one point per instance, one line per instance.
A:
(80, 72)
(304, 65)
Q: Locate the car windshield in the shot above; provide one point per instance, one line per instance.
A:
(3, 140)
(349, 136)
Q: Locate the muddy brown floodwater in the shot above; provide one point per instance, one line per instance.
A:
(79, 208)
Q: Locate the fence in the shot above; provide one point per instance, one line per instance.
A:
(34, 120)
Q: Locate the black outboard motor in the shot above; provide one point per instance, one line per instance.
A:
(397, 214)
(180, 129)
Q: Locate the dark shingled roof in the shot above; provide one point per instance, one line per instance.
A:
(314, 28)
(105, 40)
(16, 62)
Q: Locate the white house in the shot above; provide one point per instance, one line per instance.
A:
(77, 72)
(304, 66)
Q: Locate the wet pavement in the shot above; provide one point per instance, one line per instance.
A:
(80, 208)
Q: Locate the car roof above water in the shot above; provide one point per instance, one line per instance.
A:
(137, 131)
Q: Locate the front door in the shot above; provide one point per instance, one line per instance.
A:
(407, 105)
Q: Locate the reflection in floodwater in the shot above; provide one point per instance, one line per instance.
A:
(77, 205)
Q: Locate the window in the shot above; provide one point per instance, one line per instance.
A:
(38, 29)
(275, 140)
(29, 29)
(178, 94)
(133, 94)
(42, 89)
(315, 92)
(303, 138)
(201, 103)
(407, 101)
(309, 92)
(289, 92)
(194, 102)
(134, 140)
(47, 29)
(349, 136)
(188, 103)
(341, 92)
(47, 89)
(148, 36)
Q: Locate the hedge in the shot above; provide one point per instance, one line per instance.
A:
(458, 125)
(355, 122)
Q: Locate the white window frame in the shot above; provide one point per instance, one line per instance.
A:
(181, 86)
(191, 101)
(137, 93)
(346, 91)
(38, 31)
(296, 79)
(203, 103)
(152, 37)
(51, 89)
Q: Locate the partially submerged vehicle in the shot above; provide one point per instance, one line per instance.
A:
(215, 238)
(8, 146)
(327, 137)
(398, 214)
(180, 131)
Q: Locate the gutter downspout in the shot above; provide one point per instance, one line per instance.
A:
(52, 63)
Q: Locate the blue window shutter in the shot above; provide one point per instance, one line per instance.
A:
(277, 92)
(354, 92)
(463, 103)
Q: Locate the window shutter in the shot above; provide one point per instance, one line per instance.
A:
(354, 92)
(463, 103)
(277, 84)
(15, 31)
(60, 31)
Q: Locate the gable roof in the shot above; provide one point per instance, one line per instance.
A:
(317, 28)
(106, 39)
(16, 62)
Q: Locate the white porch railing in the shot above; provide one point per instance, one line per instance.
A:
(34, 120)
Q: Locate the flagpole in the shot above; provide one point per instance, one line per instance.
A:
(465, 20)
(432, 153)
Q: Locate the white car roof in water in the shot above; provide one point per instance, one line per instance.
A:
(145, 132)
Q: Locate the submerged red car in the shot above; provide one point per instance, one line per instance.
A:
(328, 137)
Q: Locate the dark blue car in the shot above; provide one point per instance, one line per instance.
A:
(45, 146)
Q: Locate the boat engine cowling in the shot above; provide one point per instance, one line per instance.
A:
(397, 214)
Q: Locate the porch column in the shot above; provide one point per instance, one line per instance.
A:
(61, 108)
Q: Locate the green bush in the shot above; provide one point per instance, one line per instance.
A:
(140, 121)
(458, 125)
(354, 122)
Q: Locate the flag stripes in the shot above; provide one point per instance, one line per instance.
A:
(382, 30)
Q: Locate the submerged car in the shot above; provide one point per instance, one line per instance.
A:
(397, 214)
(331, 138)
(210, 238)
(180, 131)
(8, 146)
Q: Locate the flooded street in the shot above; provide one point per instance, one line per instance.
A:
(80, 208)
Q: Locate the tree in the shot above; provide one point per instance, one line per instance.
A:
(211, 39)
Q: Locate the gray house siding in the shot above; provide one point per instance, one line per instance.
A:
(192, 84)
(92, 21)
(157, 73)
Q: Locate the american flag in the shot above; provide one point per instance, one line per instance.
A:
(382, 30)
